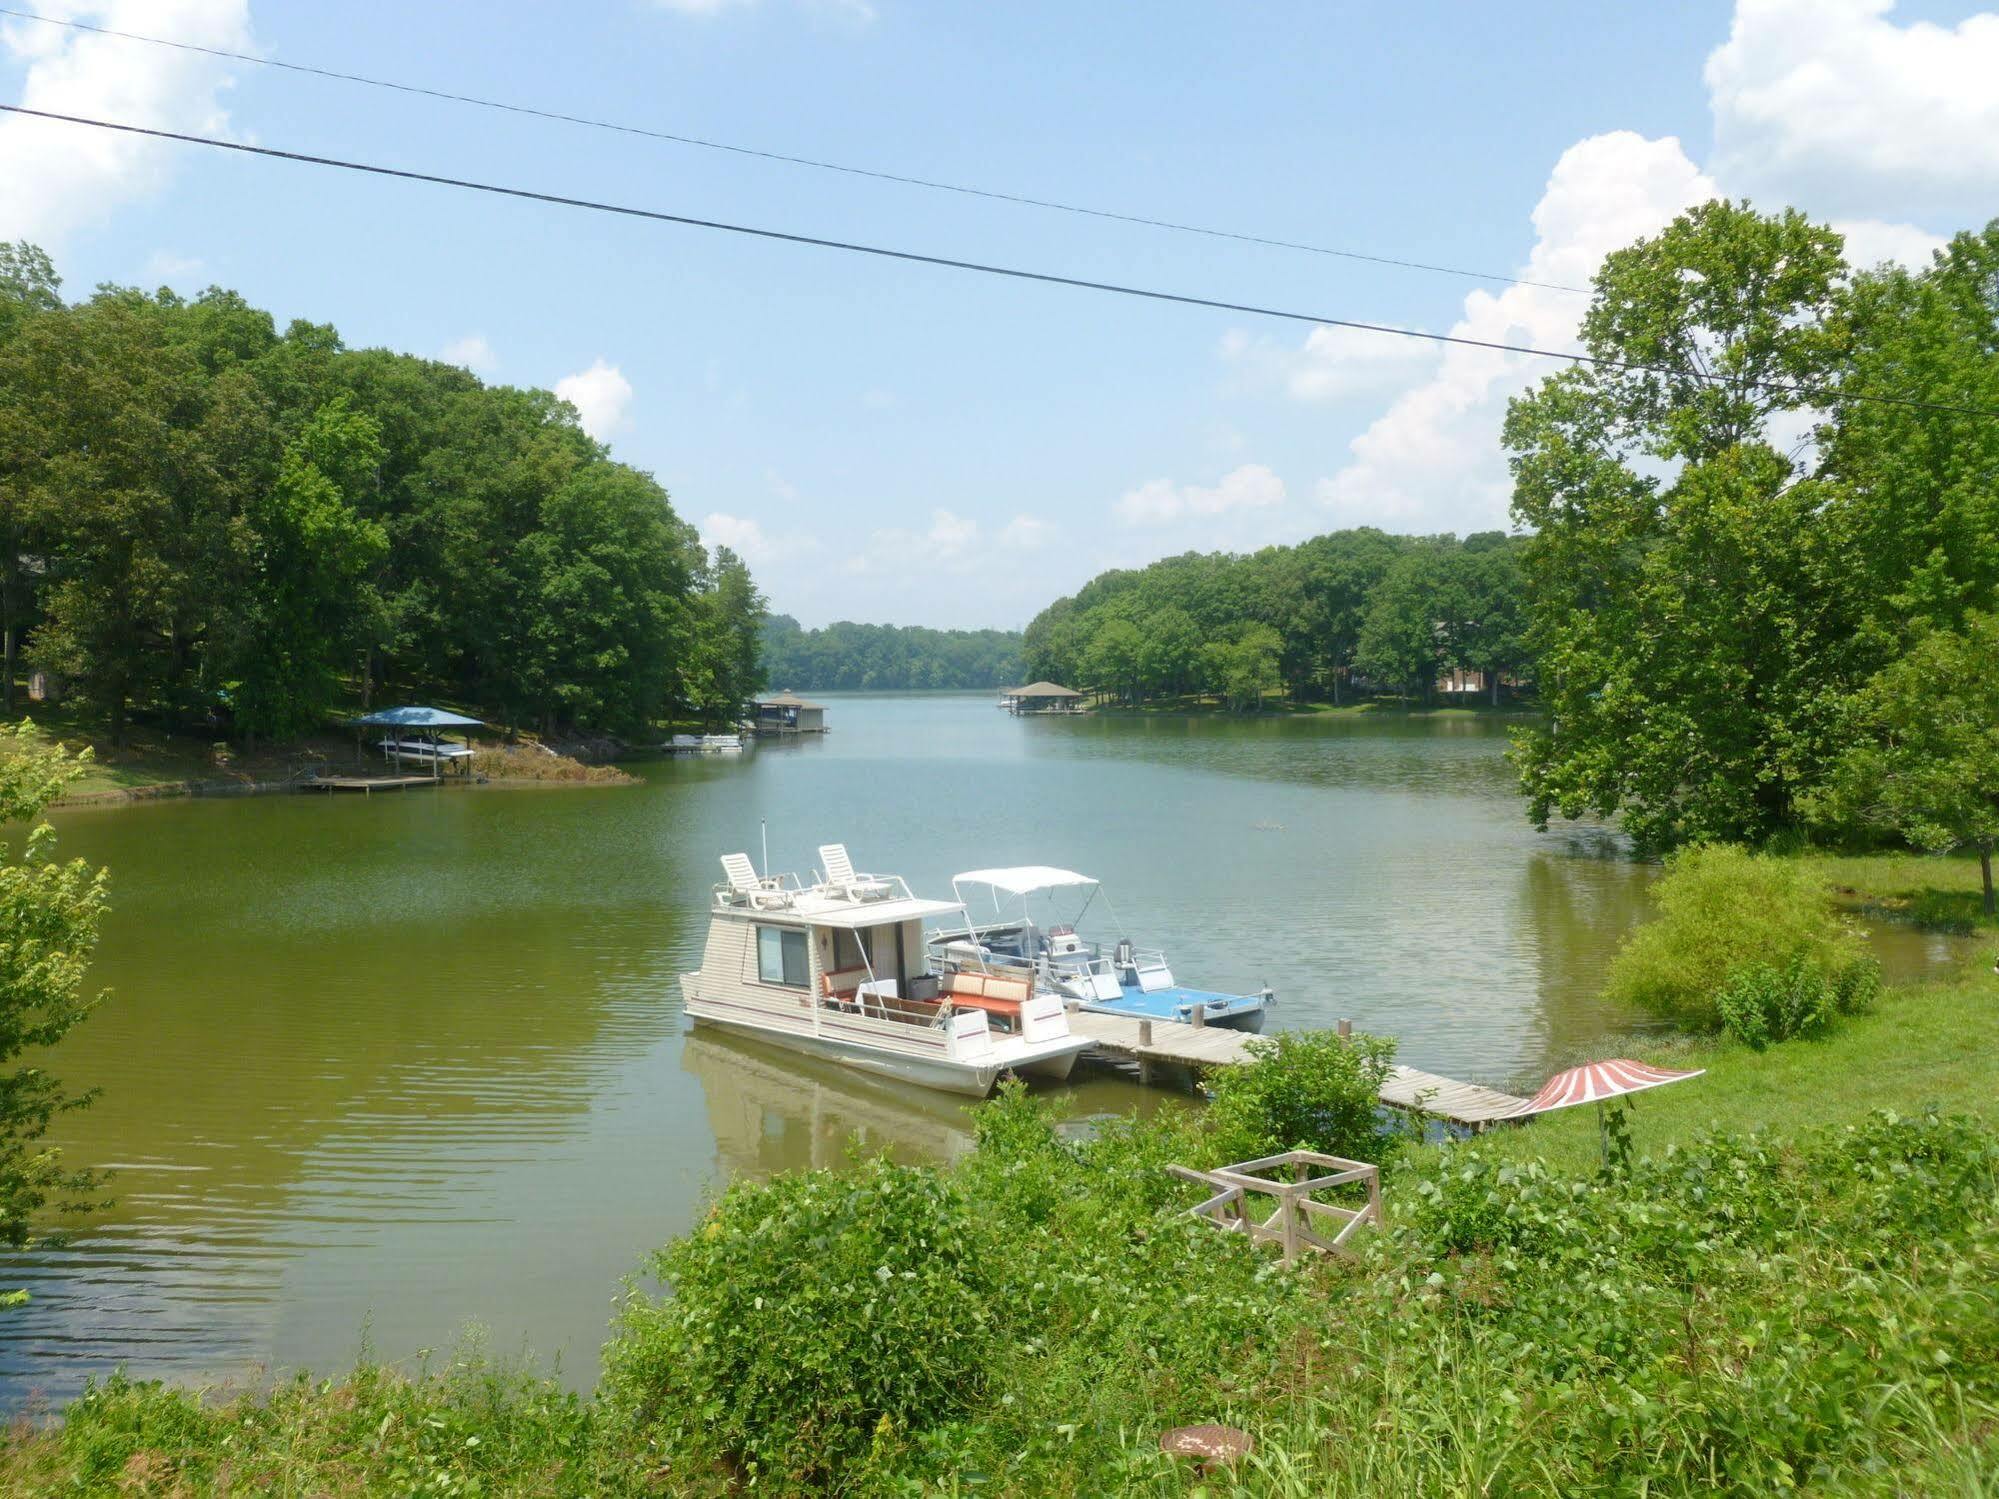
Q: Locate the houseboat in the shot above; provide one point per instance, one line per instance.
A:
(1119, 979)
(839, 969)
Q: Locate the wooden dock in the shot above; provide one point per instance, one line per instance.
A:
(1197, 1048)
(366, 785)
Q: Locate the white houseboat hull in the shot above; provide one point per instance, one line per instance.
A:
(883, 1049)
(952, 1077)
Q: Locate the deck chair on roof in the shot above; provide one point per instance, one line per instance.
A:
(744, 880)
(838, 867)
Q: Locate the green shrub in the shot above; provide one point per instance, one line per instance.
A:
(1723, 911)
(807, 1313)
(1305, 1089)
(472, 1427)
(1763, 1003)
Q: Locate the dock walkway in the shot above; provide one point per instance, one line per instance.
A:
(365, 784)
(1200, 1047)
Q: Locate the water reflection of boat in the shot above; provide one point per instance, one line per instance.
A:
(1123, 980)
(771, 1111)
(839, 969)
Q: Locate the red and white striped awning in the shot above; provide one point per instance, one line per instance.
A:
(1595, 1082)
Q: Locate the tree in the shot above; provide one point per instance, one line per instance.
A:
(49, 915)
(138, 542)
(1342, 570)
(1110, 666)
(729, 636)
(1691, 607)
(1402, 638)
(1483, 608)
(309, 588)
(1924, 762)
(1248, 667)
(1169, 652)
(1921, 476)
(29, 288)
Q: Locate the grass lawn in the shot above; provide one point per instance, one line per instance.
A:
(1920, 1044)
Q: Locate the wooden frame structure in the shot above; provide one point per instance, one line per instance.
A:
(1290, 1224)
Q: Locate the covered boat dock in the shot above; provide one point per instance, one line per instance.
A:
(786, 713)
(416, 735)
(1041, 697)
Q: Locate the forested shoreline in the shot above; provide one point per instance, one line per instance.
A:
(888, 658)
(1350, 610)
(214, 525)
(1756, 581)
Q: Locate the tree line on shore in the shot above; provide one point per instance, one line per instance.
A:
(857, 657)
(206, 520)
(1357, 609)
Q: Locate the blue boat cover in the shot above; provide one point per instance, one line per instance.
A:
(1167, 1004)
(419, 718)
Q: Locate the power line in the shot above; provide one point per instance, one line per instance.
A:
(1021, 199)
(1017, 273)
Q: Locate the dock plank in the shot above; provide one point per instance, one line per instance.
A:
(1200, 1047)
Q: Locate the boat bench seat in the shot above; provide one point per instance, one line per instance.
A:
(842, 983)
(992, 992)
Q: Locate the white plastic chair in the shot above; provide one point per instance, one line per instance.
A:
(838, 867)
(744, 880)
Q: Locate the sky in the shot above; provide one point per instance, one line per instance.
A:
(908, 444)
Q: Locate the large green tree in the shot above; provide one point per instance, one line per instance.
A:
(309, 593)
(1923, 475)
(29, 288)
(1403, 641)
(1922, 761)
(49, 914)
(1691, 610)
(728, 639)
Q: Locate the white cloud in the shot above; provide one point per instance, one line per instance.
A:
(1331, 364)
(59, 178)
(1869, 242)
(1830, 104)
(950, 543)
(163, 267)
(1160, 501)
(473, 352)
(749, 540)
(878, 399)
(1433, 460)
(951, 535)
(600, 395)
(1024, 533)
(700, 7)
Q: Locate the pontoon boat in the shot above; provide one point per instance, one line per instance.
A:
(1122, 980)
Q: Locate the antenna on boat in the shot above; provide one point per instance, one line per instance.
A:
(763, 823)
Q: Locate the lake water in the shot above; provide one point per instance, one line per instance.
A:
(378, 1070)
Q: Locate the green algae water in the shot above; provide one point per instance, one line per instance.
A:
(380, 1074)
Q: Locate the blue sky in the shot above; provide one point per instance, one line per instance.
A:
(906, 444)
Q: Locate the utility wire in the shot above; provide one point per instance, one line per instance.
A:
(1021, 199)
(1017, 273)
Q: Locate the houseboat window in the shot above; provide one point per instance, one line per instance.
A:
(781, 956)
